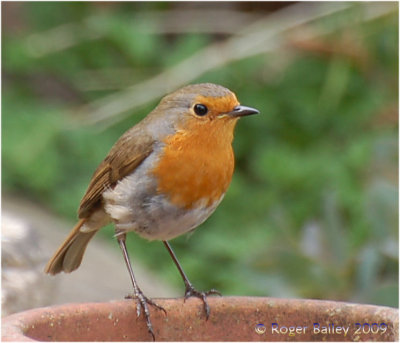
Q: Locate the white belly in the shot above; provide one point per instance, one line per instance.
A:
(134, 205)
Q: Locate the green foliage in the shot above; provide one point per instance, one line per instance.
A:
(312, 209)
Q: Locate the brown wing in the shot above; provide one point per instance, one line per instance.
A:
(124, 157)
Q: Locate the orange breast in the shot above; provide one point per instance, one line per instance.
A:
(197, 163)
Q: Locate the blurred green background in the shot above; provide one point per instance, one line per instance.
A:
(313, 207)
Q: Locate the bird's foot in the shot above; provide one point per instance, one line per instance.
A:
(190, 291)
(142, 302)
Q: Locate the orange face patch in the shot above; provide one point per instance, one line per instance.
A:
(197, 162)
(218, 105)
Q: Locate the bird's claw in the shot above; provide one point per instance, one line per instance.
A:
(141, 303)
(192, 292)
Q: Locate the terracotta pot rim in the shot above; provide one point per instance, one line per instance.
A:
(21, 326)
(239, 298)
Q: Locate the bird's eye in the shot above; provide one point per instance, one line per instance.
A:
(200, 109)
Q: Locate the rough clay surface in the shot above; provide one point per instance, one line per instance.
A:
(231, 319)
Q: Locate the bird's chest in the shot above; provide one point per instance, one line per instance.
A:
(194, 170)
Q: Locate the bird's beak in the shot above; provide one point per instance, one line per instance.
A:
(241, 111)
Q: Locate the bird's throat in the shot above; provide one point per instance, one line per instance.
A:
(196, 164)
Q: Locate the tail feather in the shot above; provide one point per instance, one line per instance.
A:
(69, 255)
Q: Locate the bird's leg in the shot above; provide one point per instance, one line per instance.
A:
(141, 299)
(190, 291)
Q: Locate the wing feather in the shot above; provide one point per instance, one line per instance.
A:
(124, 157)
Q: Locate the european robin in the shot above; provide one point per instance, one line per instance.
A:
(162, 178)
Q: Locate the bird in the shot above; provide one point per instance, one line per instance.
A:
(162, 178)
